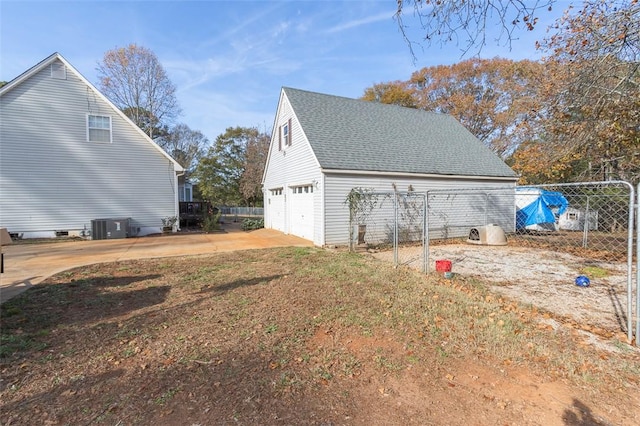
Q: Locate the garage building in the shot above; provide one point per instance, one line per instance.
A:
(322, 146)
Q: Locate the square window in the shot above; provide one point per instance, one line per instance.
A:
(98, 128)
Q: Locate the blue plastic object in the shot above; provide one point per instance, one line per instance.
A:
(583, 281)
(543, 209)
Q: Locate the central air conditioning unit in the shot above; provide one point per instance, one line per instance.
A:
(110, 229)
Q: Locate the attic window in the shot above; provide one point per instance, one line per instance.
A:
(284, 135)
(98, 128)
(58, 71)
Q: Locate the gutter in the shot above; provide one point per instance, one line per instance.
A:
(414, 175)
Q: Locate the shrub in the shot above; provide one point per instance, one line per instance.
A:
(211, 221)
(251, 224)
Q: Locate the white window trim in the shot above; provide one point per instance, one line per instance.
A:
(110, 128)
(286, 136)
(302, 189)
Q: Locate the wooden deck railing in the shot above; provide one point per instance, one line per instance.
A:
(192, 212)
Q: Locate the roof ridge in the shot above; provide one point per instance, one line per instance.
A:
(378, 104)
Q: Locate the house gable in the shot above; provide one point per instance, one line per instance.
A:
(58, 68)
(291, 179)
(56, 177)
(294, 155)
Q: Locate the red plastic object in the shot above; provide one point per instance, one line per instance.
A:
(443, 265)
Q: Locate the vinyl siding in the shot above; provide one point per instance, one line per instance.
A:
(337, 186)
(52, 178)
(293, 165)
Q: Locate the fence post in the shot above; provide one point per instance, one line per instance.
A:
(587, 222)
(630, 269)
(486, 207)
(395, 229)
(637, 208)
(425, 233)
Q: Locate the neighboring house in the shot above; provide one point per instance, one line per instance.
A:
(578, 220)
(69, 156)
(322, 146)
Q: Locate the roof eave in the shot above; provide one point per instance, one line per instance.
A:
(418, 175)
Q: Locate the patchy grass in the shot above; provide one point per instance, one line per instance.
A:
(292, 336)
(595, 272)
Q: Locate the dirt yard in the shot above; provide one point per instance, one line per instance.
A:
(299, 336)
(542, 278)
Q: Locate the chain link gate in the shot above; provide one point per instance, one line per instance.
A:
(602, 214)
(388, 221)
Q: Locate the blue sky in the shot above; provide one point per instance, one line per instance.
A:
(229, 59)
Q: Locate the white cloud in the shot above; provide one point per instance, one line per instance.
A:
(359, 22)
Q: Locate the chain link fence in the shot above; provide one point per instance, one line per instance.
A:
(386, 222)
(593, 221)
(637, 265)
(241, 211)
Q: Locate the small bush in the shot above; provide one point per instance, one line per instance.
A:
(211, 222)
(251, 224)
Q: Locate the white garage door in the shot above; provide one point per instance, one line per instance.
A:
(302, 211)
(276, 209)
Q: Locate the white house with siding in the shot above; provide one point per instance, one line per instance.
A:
(322, 146)
(69, 156)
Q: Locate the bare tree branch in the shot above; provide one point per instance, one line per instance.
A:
(465, 22)
(133, 79)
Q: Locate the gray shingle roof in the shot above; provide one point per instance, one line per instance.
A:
(351, 134)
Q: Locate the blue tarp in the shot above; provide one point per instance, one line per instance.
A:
(544, 209)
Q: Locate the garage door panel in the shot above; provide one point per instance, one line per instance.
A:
(302, 220)
(276, 211)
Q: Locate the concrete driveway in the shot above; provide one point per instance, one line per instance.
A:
(29, 264)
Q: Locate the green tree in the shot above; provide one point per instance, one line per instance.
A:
(186, 146)
(134, 80)
(147, 122)
(229, 173)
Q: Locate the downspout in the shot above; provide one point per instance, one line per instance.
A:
(176, 203)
